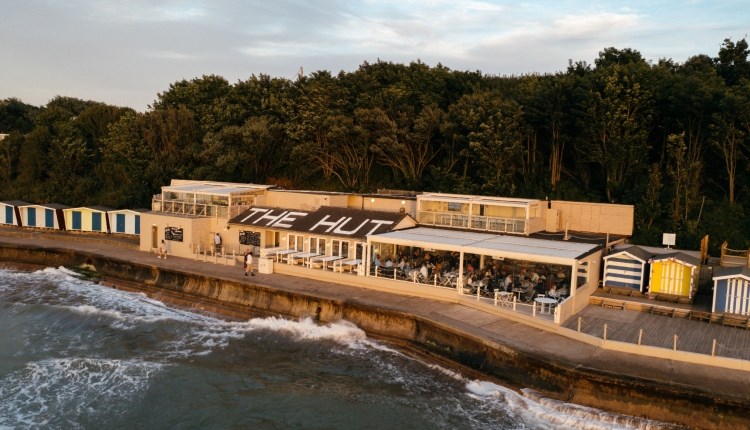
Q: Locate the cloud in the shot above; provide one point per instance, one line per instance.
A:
(141, 11)
(125, 49)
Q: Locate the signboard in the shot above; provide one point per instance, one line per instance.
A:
(669, 239)
(173, 234)
(250, 238)
(328, 221)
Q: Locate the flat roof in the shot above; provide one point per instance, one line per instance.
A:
(46, 205)
(488, 244)
(465, 198)
(214, 188)
(15, 203)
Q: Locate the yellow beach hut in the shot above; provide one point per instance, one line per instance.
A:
(87, 218)
(674, 274)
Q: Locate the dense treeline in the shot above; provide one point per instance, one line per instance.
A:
(670, 138)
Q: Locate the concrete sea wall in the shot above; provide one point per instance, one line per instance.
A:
(615, 392)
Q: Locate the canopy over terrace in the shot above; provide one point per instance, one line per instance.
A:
(498, 247)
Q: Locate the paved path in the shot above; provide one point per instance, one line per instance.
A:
(493, 328)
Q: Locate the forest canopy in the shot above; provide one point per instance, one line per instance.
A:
(672, 139)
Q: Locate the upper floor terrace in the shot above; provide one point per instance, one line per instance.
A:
(206, 199)
(483, 213)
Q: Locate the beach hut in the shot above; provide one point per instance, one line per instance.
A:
(87, 218)
(10, 213)
(628, 267)
(125, 221)
(674, 274)
(732, 290)
(43, 216)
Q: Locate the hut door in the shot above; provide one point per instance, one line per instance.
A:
(49, 218)
(137, 224)
(96, 221)
(31, 217)
(76, 220)
(8, 214)
(154, 237)
(120, 220)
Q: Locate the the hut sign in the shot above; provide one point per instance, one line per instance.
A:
(323, 221)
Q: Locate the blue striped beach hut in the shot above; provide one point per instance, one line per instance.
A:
(732, 290)
(125, 221)
(87, 218)
(10, 213)
(49, 216)
(628, 267)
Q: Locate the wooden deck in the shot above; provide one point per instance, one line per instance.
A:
(659, 328)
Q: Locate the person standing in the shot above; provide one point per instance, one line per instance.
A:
(163, 250)
(249, 263)
(217, 243)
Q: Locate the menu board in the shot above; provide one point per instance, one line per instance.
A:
(173, 234)
(249, 238)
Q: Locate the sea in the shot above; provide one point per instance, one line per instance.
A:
(75, 354)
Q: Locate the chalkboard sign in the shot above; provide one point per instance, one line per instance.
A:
(250, 238)
(173, 233)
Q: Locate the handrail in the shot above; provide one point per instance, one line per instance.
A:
(474, 222)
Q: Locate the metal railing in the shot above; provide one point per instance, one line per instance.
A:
(474, 222)
(189, 208)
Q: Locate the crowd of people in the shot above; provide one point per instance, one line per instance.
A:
(493, 275)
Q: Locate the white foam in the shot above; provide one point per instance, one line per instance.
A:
(43, 393)
(545, 413)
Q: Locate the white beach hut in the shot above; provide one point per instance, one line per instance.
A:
(125, 221)
(49, 216)
(10, 213)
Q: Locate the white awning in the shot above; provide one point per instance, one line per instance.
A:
(505, 246)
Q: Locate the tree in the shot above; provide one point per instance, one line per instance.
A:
(16, 116)
(248, 153)
(732, 64)
(730, 134)
(682, 166)
(619, 117)
(125, 181)
(10, 149)
(408, 146)
(205, 96)
(173, 138)
(492, 126)
(320, 98)
(548, 112)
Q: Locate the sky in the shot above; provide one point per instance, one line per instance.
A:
(126, 52)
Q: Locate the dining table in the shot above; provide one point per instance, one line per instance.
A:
(545, 302)
(302, 256)
(280, 254)
(351, 264)
(504, 297)
(329, 259)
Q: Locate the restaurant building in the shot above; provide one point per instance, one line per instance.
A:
(516, 252)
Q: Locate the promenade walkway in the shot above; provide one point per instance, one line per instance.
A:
(473, 322)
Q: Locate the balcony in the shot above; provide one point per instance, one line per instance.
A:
(481, 223)
(194, 209)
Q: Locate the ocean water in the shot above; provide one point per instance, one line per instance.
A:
(78, 355)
